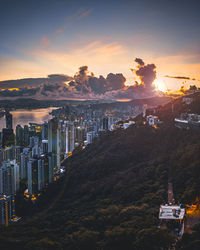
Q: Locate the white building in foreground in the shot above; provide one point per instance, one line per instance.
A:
(172, 217)
(168, 212)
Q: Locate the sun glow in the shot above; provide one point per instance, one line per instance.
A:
(130, 81)
(160, 85)
(158, 82)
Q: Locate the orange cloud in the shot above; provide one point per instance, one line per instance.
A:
(178, 65)
(21, 69)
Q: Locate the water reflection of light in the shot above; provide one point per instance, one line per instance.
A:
(123, 100)
(24, 116)
(10, 89)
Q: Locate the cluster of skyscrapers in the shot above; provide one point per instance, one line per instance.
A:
(38, 150)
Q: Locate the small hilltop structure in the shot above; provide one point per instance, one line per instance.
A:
(172, 216)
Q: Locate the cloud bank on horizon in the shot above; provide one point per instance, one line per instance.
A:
(84, 85)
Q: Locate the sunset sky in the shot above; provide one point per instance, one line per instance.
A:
(41, 37)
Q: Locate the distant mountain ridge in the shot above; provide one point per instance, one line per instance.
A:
(34, 103)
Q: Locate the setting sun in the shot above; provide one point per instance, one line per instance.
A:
(160, 84)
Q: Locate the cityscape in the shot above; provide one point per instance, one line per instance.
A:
(99, 125)
(33, 154)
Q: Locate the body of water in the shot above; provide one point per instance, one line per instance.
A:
(25, 116)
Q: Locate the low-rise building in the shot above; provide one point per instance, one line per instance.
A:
(128, 124)
(172, 217)
(171, 212)
(187, 100)
(188, 121)
(153, 120)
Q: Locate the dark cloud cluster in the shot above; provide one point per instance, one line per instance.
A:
(34, 82)
(180, 77)
(23, 92)
(115, 81)
(59, 78)
(139, 61)
(85, 84)
(146, 73)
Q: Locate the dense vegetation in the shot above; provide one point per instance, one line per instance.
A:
(112, 191)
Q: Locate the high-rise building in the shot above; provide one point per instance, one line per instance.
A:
(41, 174)
(19, 135)
(7, 209)
(34, 140)
(62, 137)
(16, 175)
(45, 131)
(45, 166)
(31, 141)
(32, 168)
(7, 137)
(110, 122)
(54, 140)
(89, 137)
(8, 154)
(80, 134)
(1, 155)
(36, 151)
(26, 135)
(44, 146)
(58, 140)
(11, 153)
(1, 137)
(70, 137)
(6, 180)
(105, 123)
(23, 165)
(51, 168)
(9, 178)
(8, 120)
(144, 110)
(17, 152)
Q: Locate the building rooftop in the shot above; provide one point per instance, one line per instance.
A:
(181, 120)
(168, 212)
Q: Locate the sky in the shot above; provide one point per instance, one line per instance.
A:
(42, 37)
